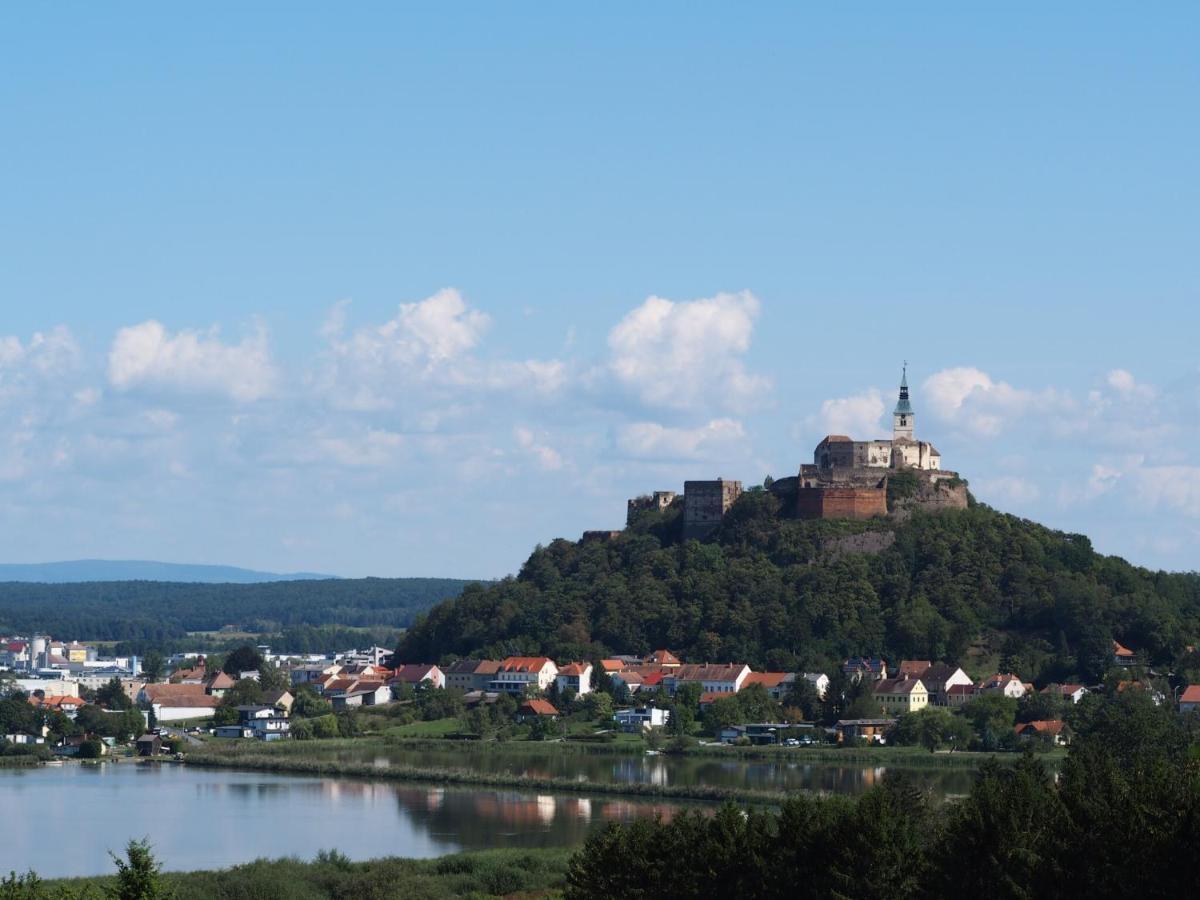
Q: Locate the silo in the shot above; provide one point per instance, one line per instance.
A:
(37, 650)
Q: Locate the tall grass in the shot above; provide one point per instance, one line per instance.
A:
(489, 873)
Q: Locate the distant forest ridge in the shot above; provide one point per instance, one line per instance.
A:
(76, 570)
(161, 611)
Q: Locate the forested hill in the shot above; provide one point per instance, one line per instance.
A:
(965, 585)
(160, 610)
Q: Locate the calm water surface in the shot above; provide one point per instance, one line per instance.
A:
(63, 820)
(773, 774)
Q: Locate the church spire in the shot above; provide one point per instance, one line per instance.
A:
(902, 417)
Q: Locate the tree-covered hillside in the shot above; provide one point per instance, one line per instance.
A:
(779, 594)
(157, 611)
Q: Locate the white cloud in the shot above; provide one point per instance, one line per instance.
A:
(147, 355)
(1004, 489)
(45, 356)
(429, 344)
(650, 440)
(374, 448)
(547, 457)
(969, 397)
(688, 355)
(858, 416)
(1175, 488)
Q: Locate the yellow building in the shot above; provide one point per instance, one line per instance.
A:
(75, 652)
(901, 695)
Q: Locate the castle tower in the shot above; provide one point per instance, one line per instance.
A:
(902, 418)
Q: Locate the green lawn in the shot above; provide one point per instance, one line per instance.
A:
(434, 728)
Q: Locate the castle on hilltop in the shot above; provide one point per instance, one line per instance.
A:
(847, 479)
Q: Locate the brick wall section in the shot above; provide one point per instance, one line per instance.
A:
(840, 503)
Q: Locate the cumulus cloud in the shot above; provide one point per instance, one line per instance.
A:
(147, 355)
(546, 456)
(650, 440)
(47, 355)
(1175, 488)
(429, 343)
(1004, 489)
(688, 355)
(371, 448)
(858, 416)
(971, 398)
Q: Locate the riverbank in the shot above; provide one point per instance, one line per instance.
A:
(256, 758)
(904, 757)
(20, 760)
(706, 774)
(489, 873)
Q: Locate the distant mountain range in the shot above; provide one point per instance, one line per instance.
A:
(78, 570)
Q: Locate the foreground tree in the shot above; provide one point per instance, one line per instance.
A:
(138, 875)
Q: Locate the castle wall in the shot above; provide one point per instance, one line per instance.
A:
(659, 501)
(840, 503)
(705, 504)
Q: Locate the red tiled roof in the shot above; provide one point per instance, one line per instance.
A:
(663, 658)
(1191, 694)
(962, 689)
(710, 696)
(524, 663)
(898, 685)
(1123, 652)
(1042, 726)
(411, 673)
(1065, 690)
(612, 665)
(180, 695)
(576, 670)
(766, 679)
(914, 668)
(473, 667)
(538, 708)
(707, 672)
(177, 694)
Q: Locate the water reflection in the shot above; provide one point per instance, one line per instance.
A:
(776, 774)
(265, 815)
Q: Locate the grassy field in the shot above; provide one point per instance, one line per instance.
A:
(436, 728)
(491, 873)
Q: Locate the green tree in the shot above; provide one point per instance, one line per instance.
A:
(138, 876)
(598, 706)
(992, 715)
(932, 728)
(111, 695)
(272, 678)
(92, 748)
(245, 692)
(152, 666)
(243, 659)
(308, 704)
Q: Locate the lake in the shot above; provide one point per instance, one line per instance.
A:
(778, 773)
(62, 820)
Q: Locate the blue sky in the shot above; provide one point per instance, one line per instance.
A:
(405, 291)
